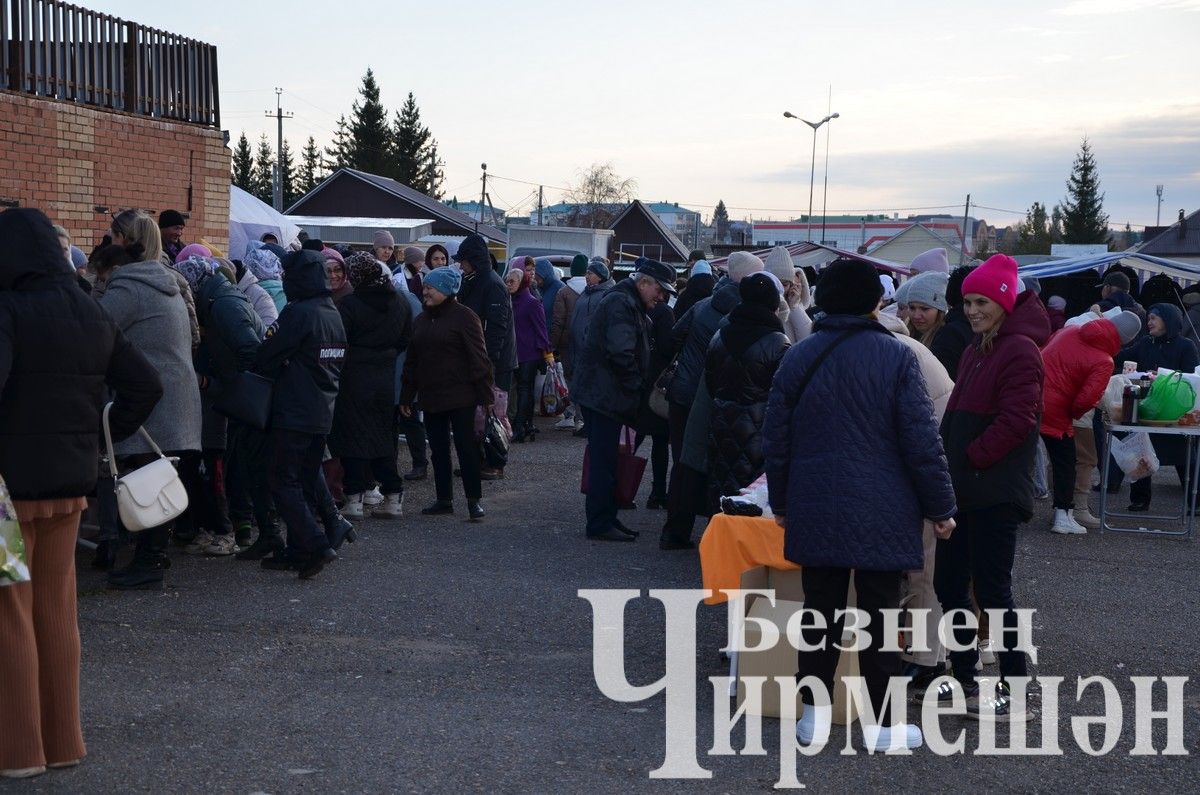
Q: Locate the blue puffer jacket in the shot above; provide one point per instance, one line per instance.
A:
(855, 462)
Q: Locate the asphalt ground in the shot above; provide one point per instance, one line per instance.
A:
(442, 656)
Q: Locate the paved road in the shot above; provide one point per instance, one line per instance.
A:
(441, 656)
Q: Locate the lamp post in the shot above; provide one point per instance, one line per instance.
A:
(816, 125)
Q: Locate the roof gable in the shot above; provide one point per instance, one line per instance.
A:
(432, 207)
(1171, 242)
(637, 210)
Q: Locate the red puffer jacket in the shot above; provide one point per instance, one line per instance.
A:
(1078, 362)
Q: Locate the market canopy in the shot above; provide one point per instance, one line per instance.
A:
(1147, 263)
(818, 256)
(250, 219)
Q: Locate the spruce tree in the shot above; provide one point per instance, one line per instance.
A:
(310, 164)
(1084, 220)
(243, 164)
(263, 179)
(1033, 236)
(410, 143)
(370, 144)
(432, 177)
(288, 178)
(337, 154)
(721, 221)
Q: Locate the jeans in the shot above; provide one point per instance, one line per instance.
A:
(981, 551)
(296, 483)
(439, 424)
(825, 591)
(603, 435)
(1062, 465)
(1040, 486)
(362, 472)
(247, 460)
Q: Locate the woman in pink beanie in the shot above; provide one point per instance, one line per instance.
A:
(990, 433)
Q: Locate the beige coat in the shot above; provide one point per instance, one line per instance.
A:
(937, 380)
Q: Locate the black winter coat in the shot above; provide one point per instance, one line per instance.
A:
(613, 367)
(742, 360)
(304, 348)
(60, 352)
(378, 325)
(951, 340)
(662, 320)
(692, 334)
(232, 331)
(484, 294)
(698, 288)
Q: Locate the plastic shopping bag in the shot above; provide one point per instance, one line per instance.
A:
(553, 397)
(1170, 398)
(1135, 455)
(1113, 395)
(14, 566)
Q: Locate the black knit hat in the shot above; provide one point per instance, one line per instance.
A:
(758, 289)
(170, 218)
(849, 287)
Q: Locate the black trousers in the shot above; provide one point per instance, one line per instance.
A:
(1062, 467)
(660, 453)
(247, 485)
(438, 424)
(414, 432)
(202, 474)
(296, 483)
(526, 376)
(688, 488)
(362, 472)
(677, 417)
(603, 435)
(981, 551)
(825, 591)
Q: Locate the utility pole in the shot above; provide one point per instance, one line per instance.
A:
(539, 223)
(825, 192)
(1158, 213)
(962, 252)
(277, 188)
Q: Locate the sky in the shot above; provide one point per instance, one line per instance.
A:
(937, 100)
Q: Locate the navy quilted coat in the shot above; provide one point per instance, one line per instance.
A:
(855, 462)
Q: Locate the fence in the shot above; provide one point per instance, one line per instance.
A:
(58, 50)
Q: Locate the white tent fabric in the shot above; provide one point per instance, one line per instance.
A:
(1144, 263)
(818, 256)
(250, 219)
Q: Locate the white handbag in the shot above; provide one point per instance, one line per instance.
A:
(148, 496)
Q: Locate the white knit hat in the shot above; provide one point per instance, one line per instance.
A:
(741, 264)
(933, 260)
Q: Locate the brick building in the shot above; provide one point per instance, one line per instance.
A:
(81, 143)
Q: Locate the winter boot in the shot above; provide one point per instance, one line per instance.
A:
(392, 508)
(371, 498)
(1065, 524)
(354, 507)
(1082, 515)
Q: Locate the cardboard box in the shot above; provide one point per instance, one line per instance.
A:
(782, 660)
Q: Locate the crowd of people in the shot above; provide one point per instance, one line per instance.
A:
(902, 428)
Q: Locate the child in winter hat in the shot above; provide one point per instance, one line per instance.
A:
(995, 279)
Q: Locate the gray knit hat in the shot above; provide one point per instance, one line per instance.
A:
(927, 288)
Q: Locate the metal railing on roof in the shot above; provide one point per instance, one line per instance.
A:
(61, 51)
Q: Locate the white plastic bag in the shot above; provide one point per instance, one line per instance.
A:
(14, 566)
(1113, 395)
(1135, 455)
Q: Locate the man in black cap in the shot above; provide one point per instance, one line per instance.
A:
(170, 226)
(611, 372)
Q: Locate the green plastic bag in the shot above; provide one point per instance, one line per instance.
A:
(14, 567)
(1170, 398)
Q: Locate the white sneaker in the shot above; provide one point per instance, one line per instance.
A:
(221, 546)
(1085, 518)
(986, 655)
(200, 543)
(565, 424)
(1065, 524)
(372, 497)
(812, 729)
(23, 772)
(392, 508)
(352, 508)
(891, 738)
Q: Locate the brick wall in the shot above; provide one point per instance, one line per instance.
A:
(66, 159)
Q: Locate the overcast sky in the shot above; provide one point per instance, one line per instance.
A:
(937, 99)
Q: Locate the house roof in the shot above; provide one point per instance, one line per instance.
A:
(918, 236)
(668, 207)
(636, 206)
(1174, 242)
(432, 207)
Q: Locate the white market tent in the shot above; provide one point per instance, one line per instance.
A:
(1183, 272)
(250, 219)
(819, 255)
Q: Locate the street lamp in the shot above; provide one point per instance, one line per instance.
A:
(816, 125)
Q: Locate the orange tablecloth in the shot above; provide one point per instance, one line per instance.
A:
(732, 545)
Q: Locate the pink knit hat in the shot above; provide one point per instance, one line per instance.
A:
(995, 279)
(934, 260)
(192, 250)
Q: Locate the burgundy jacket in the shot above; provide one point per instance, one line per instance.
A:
(990, 429)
